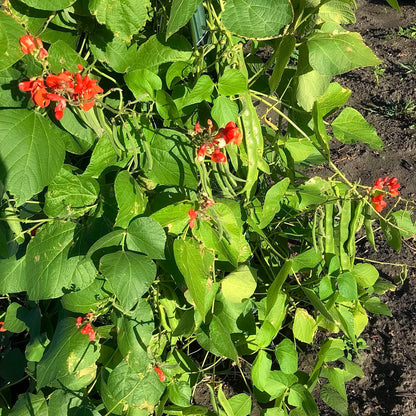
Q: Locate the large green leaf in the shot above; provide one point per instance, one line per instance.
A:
(224, 110)
(337, 11)
(29, 404)
(156, 51)
(126, 389)
(337, 53)
(239, 285)
(130, 275)
(143, 84)
(221, 339)
(49, 4)
(123, 18)
(68, 353)
(172, 159)
(304, 326)
(131, 200)
(70, 195)
(12, 275)
(351, 127)
(147, 236)
(232, 82)
(48, 269)
(180, 13)
(113, 51)
(195, 264)
(272, 201)
(10, 33)
(10, 95)
(32, 151)
(63, 57)
(257, 18)
(134, 334)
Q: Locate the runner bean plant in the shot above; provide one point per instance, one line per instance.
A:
(159, 227)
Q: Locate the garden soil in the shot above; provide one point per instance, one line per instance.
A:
(386, 96)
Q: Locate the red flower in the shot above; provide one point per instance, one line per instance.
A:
(218, 157)
(2, 328)
(37, 91)
(161, 374)
(231, 133)
(60, 107)
(62, 81)
(86, 89)
(197, 128)
(393, 186)
(88, 330)
(378, 202)
(27, 44)
(192, 217)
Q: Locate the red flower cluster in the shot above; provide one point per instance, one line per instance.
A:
(161, 374)
(2, 328)
(28, 45)
(214, 143)
(87, 328)
(66, 86)
(194, 214)
(393, 186)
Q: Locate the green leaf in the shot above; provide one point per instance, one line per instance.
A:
(221, 339)
(201, 91)
(49, 4)
(86, 299)
(224, 402)
(63, 57)
(16, 318)
(347, 286)
(143, 84)
(134, 334)
(166, 107)
(287, 356)
(365, 274)
(404, 222)
(351, 127)
(300, 396)
(131, 200)
(172, 159)
(10, 33)
(232, 82)
(337, 53)
(82, 137)
(240, 404)
(337, 11)
(180, 393)
(333, 399)
(130, 275)
(392, 235)
(68, 354)
(156, 51)
(273, 201)
(374, 305)
(10, 95)
(173, 217)
(125, 389)
(181, 12)
(123, 18)
(336, 378)
(394, 4)
(32, 150)
(195, 265)
(113, 51)
(12, 275)
(70, 195)
(29, 404)
(334, 97)
(304, 326)
(224, 110)
(48, 269)
(147, 236)
(257, 18)
(261, 369)
(239, 285)
(309, 259)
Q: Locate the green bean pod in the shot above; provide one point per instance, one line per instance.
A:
(344, 232)
(253, 140)
(353, 228)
